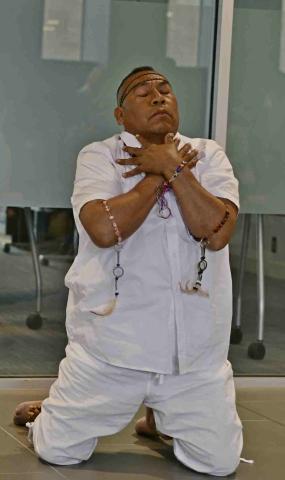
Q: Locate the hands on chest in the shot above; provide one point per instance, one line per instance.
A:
(160, 159)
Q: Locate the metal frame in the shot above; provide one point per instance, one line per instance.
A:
(222, 71)
(256, 350)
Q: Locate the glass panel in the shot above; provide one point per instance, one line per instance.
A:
(255, 146)
(256, 119)
(61, 62)
(61, 66)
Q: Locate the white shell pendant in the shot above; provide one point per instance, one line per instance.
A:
(105, 309)
(191, 289)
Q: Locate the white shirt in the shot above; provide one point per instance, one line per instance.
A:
(155, 326)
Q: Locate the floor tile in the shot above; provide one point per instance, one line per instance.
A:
(247, 415)
(16, 459)
(143, 464)
(264, 443)
(125, 456)
(271, 411)
(260, 394)
(31, 476)
(8, 401)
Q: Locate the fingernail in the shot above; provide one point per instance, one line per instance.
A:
(137, 135)
(124, 175)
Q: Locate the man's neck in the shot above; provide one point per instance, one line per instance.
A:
(157, 138)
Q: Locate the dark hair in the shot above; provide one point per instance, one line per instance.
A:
(135, 70)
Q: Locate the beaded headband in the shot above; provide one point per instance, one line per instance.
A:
(129, 88)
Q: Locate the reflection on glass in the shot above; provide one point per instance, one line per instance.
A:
(257, 106)
(62, 29)
(60, 70)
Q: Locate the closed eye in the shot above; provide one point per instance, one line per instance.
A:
(164, 88)
(143, 91)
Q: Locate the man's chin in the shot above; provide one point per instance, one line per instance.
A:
(163, 129)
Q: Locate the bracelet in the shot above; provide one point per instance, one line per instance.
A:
(177, 171)
(112, 220)
(225, 218)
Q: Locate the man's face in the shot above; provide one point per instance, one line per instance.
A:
(148, 106)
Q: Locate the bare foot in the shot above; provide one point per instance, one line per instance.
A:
(142, 427)
(27, 412)
(146, 426)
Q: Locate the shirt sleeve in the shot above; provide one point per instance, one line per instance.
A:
(96, 177)
(216, 174)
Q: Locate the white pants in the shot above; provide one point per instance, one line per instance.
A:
(91, 399)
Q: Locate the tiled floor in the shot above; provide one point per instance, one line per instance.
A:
(125, 456)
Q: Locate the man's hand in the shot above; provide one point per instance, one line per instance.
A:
(158, 159)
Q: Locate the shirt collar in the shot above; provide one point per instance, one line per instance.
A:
(131, 141)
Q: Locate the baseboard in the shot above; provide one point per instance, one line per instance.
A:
(32, 383)
(259, 382)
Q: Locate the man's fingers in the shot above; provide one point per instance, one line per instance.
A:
(185, 149)
(192, 158)
(169, 138)
(176, 141)
(132, 173)
(142, 141)
(133, 150)
(192, 163)
(191, 155)
(127, 161)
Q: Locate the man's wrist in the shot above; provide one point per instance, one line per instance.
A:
(170, 169)
(149, 183)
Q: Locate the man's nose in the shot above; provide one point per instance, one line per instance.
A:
(157, 98)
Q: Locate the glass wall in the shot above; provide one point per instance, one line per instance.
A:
(61, 62)
(256, 126)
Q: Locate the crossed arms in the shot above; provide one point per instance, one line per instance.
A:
(201, 211)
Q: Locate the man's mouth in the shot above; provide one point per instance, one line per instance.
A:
(160, 113)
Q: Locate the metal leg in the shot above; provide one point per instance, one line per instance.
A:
(34, 320)
(257, 349)
(75, 240)
(236, 333)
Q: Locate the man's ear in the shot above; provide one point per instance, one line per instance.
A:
(119, 115)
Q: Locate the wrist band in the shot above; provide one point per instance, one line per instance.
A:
(206, 240)
(177, 171)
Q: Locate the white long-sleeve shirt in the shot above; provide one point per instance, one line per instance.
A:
(154, 326)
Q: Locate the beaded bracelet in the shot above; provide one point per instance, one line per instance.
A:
(118, 270)
(112, 219)
(177, 171)
(206, 240)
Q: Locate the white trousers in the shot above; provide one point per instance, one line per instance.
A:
(91, 399)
